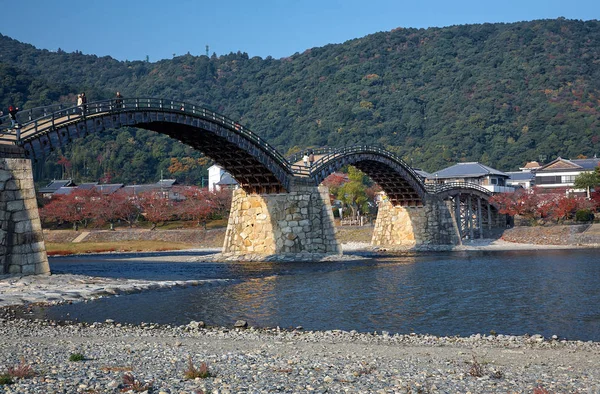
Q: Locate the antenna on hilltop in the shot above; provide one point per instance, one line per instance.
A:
(206, 50)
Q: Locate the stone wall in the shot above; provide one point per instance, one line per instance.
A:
(431, 224)
(22, 249)
(300, 221)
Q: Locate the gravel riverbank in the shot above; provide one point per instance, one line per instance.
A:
(271, 360)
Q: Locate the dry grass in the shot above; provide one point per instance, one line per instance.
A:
(60, 249)
(130, 383)
(192, 372)
(476, 370)
(21, 371)
(347, 234)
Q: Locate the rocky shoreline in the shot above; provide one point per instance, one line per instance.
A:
(274, 360)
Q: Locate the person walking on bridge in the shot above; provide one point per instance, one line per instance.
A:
(305, 159)
(12, 114)
(119, 100)
(311, 157)
(80, 103)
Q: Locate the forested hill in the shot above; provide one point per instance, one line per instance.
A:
(501, 94)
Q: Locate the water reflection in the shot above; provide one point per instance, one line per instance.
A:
(547, 292)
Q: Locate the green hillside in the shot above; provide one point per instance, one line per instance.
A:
(501, 94)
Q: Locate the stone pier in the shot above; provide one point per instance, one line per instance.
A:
(300, 221)
(22, 249)
(406, 227)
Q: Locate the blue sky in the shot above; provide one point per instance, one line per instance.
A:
(132, 29)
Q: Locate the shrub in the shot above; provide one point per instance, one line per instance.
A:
(130, 383)
(76, 357)
(476, 369)
(584, 215)
(6, 379)
(22, 371)
(192, 372)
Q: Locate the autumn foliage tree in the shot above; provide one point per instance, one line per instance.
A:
(198, 204)
(108, 208)
(534, 204)
(76, 208)
(156, 208)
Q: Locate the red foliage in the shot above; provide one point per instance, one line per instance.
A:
(531, 204)
(335, 180)
(75, 208)
(221, 200)
(115, 206)
(198, 204)
(156, 208)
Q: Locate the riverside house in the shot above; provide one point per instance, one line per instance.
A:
(561, 173)
(473, 172)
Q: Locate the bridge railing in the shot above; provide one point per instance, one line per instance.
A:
(443, 187)
(296, 157)
(340, 152)
(38, 120)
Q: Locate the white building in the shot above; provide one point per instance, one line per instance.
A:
(219, 179)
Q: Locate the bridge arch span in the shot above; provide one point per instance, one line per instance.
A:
(257, 166)
(398, 180)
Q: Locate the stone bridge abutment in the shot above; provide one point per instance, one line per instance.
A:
(430, 224)
(300, 221)
(22, 248)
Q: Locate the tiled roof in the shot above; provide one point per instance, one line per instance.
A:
(109, 188)
(573, 165)
(55, 185)
(421, 173)
(521, 176)
(87, 186)
(166, 182)
(466, 170)
(138, 189)
(64, 191)
(227, 179)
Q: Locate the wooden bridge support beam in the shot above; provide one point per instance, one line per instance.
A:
(479, 218)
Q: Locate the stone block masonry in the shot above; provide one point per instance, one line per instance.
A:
(406, 227)
(300, 221)
(22, 248)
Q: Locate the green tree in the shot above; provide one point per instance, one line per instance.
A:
(587, 181)
(354, 192)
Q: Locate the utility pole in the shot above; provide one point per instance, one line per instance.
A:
(206, 50)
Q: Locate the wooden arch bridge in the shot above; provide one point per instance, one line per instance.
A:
(253, 162)
(261, 171)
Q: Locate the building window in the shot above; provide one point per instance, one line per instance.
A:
(547, 180)
(494, 181)
(568, 178)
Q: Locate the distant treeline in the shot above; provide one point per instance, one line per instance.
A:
(501, 94)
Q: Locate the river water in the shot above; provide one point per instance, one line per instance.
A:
(447, 293)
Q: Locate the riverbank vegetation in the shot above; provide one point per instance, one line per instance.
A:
(91, 207)
(539, 206)
(64, 248)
